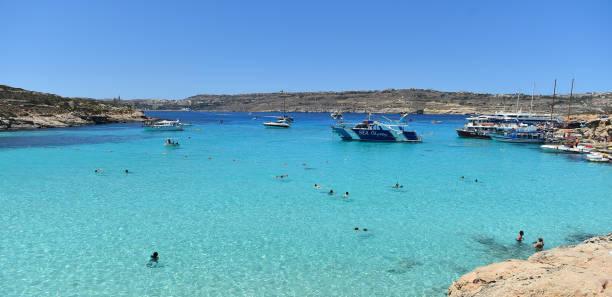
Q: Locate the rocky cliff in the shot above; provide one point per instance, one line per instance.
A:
(581, 270)
(22, 109)
(388, 101)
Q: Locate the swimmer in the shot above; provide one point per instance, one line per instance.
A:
(356, 228)
(331, 192)
(462, 177)
(282, 176)
(476, 180)
(154, 257)
(98, 170)
(316, 186)
(346, 195)
(365, 229)
(519, 238)
(127, 171)
(397, 186)
(539, 245)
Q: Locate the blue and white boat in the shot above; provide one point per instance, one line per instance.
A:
(528, 134)
(164, 125)
(370, 130)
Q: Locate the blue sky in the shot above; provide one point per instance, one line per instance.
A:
(174, 49)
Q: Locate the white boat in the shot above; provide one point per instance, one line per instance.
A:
(528, 134)
(280, 123)
(561, 148)
(598, 157)
(164, 125)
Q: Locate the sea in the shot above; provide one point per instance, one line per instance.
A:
(225, 223)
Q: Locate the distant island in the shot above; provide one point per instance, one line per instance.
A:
(22, 109)
(385, 101)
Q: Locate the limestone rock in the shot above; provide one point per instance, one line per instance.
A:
(581, 270)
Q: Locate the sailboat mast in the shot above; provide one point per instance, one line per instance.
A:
(532, 94)
(552, 106)
(569, 105)
(518, 98)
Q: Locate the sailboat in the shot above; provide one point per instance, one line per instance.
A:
(283, 121)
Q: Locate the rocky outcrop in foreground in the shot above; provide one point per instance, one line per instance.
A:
(581, 270)
(21, 109)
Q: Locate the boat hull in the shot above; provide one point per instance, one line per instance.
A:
(472, 134)
(163, 128)
(276, 125)
(516, 140)
(354, 134)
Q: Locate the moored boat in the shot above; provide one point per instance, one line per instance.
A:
(529, 134)
(370, 130)
(598, 157)
(280, 123)
(561, 148)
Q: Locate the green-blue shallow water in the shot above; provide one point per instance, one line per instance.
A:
(224, 226)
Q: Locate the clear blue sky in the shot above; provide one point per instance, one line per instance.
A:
(174, 49)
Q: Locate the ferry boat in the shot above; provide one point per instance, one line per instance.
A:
(529, 134)
(164, 125)
(370, 130)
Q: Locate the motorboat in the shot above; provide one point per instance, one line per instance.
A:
(369, 130)
(279, 123)
(598, 157)
(561, 148)
(164, 125)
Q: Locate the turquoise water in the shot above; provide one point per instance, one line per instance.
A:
(224, 226)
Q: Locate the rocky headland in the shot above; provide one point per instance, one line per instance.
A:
(22, 109)
(581, 270)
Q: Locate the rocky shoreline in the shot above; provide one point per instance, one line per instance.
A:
(581, 270)
(25, 110)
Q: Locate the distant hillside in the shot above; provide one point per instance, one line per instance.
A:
(23, 109)
(392, 100)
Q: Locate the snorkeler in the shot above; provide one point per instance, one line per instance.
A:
(317, 186)
(397, 186)
(519, 238)
(539, 245)
(331, 192)
(127, 171)
(346, 195)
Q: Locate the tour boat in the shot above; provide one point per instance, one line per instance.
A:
(164, 125)
(529, 134)
(370, 130)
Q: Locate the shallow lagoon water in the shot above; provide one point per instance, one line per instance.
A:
(224, 226)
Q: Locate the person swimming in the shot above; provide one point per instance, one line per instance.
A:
(98, 170)
(539, 245)
(356, 228)
(282, 176)
(519, 238)
(346, 195)
(462, 177)
(127, 171)
(155, 257)
(365, 229)
(331, 192)
(397, 186)
(317, 186)
(476, 180)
